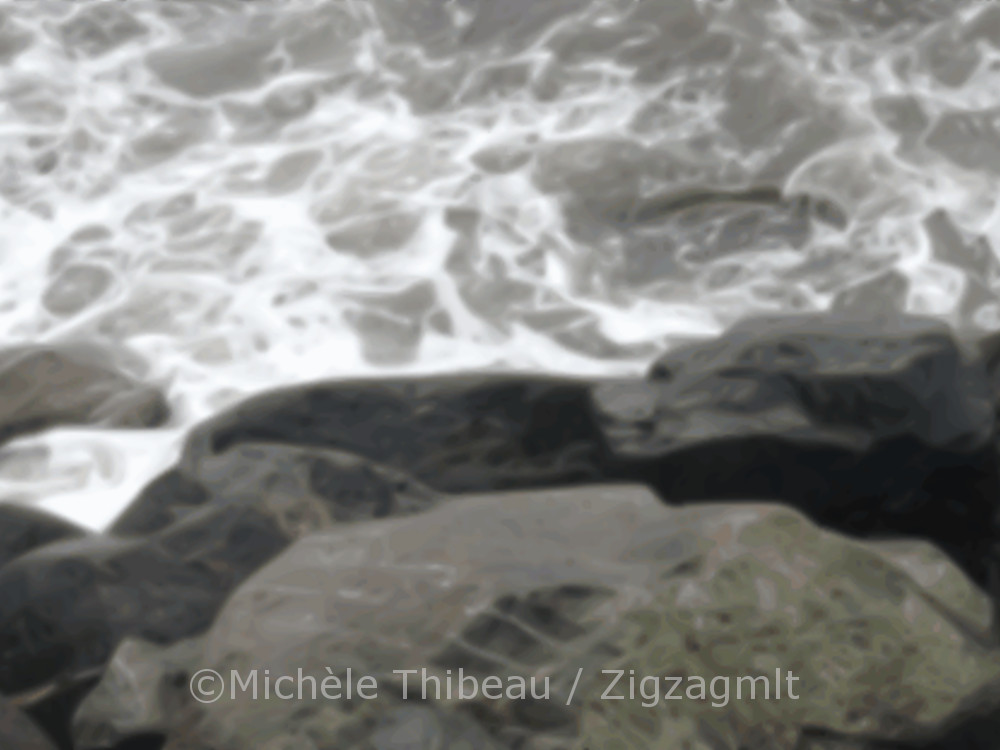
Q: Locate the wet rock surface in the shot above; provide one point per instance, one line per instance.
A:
(72, 384)
(457, 434)
(64, 606)
(319, 486)
(542, 584)
(22, 529)
(877, 430)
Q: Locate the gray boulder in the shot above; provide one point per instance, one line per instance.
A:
(886, 644)
(454, 434)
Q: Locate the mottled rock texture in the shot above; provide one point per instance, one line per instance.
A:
(885, 642)
(334, 486)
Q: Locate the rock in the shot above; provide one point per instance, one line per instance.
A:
(539, 585)
(456, 434)
(988, 349)
(53, 709)
(18, 732)
(322, 486)
(874, 428)
(941, 580)
(883, 430)
(66, 606)
(72, 384)
(22, 529)
(166, 499)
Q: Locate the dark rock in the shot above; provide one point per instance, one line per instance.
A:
(18, 732)
(318, 486)
(875, 428)
(142, 742)
(884, 640)
(456, 434)
(72, 384)
(22, 529)
(989, 350)
(872, 429)
(66, 606)
(975, 726)
(160, 503)
(53, 707)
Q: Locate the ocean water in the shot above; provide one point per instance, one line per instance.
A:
(253, 194)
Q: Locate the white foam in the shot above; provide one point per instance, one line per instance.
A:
(231, 279)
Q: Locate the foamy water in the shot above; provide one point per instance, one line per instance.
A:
(253, 194)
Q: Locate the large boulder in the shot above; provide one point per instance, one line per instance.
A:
(869, 643)
(22, 529)
(454, 433)
(872, 428)
(875, 428)
(44, 386)
(65, 607)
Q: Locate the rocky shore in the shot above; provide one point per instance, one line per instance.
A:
(812, 496)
